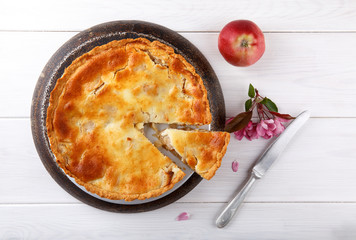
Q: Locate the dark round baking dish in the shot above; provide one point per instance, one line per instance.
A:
(84, 42)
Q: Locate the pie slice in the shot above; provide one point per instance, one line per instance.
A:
(97, 109)
(202, 151)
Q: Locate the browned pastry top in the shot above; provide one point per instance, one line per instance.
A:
(98, 107)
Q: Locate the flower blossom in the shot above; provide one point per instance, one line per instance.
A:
(279, 126)
(249, 132)
(265, 128)
(270, 127)
(270, 121)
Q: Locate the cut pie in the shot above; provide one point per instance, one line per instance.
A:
(97, 110)
(202, 151)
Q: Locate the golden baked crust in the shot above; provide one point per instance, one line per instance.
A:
(97, 106)
(202, 151)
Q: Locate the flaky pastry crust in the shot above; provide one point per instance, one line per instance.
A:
(202, 151)
(99, 102)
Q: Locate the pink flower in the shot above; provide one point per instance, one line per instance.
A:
(183, 216)
(249, 132)
(235, 166)
(279, 126)
(266, 128)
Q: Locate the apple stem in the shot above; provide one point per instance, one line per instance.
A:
(244, 43)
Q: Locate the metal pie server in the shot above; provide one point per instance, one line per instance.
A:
(261, 167)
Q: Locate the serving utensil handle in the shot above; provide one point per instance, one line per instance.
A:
(231, 208)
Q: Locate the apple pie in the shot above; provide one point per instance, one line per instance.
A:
(98, 107)
(202, 151)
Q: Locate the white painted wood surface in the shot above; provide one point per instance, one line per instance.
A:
(258, 221)
(182, 15)
(310, 193)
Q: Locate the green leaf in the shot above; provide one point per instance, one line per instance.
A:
(264, 100)
(271, 105)
(248, 104)
(251, 91)
(239, 122)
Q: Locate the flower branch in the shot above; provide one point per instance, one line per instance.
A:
(269, 122)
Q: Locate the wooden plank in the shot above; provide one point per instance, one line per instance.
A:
(24, 55)
(254, 221)
(23, 178)
(294, 74)
(318, 165)
(182, 15)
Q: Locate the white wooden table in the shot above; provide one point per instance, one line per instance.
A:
(309, 63)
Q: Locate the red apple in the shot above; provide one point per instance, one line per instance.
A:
(241, 43)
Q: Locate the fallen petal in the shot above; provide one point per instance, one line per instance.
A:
(183, 216)
(235, 166)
